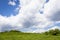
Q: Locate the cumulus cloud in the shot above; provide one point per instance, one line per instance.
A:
(52, 10)
(54, 27)
(12, 3)
(29, 16)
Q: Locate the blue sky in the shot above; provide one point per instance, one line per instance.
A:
(29, 15)
(6, 9)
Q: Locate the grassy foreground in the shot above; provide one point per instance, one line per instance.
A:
(27, 36)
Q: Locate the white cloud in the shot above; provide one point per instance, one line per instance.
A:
(12, 3)
(39, 31)
(55, 27)
(29, 16)
(52, 10)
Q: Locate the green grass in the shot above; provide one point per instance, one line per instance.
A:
(27, 36)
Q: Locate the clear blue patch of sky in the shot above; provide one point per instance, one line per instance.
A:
(7, 10)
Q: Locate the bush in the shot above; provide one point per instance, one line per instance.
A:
(14, 31)
(46, 33)
(53, 32)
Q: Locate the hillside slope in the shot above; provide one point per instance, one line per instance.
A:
(14, 35)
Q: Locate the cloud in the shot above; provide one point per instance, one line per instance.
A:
(29, 16)
(47, 1)
(39, 31)
(55, 27)
(12, 3)
(52, 10)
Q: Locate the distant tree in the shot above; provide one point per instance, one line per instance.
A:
(46, 33)
(53, 32)
(14, 31)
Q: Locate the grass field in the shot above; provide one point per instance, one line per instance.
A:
(27, 36)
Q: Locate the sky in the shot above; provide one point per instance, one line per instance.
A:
(7, 7)
(33, 16)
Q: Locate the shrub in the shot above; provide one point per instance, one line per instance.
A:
(46, 33)
(53, 32)
(14, 31)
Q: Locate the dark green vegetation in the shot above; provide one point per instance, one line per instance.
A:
(55, 32)
(17, 35)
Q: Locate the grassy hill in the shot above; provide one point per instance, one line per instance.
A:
(16, 35)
